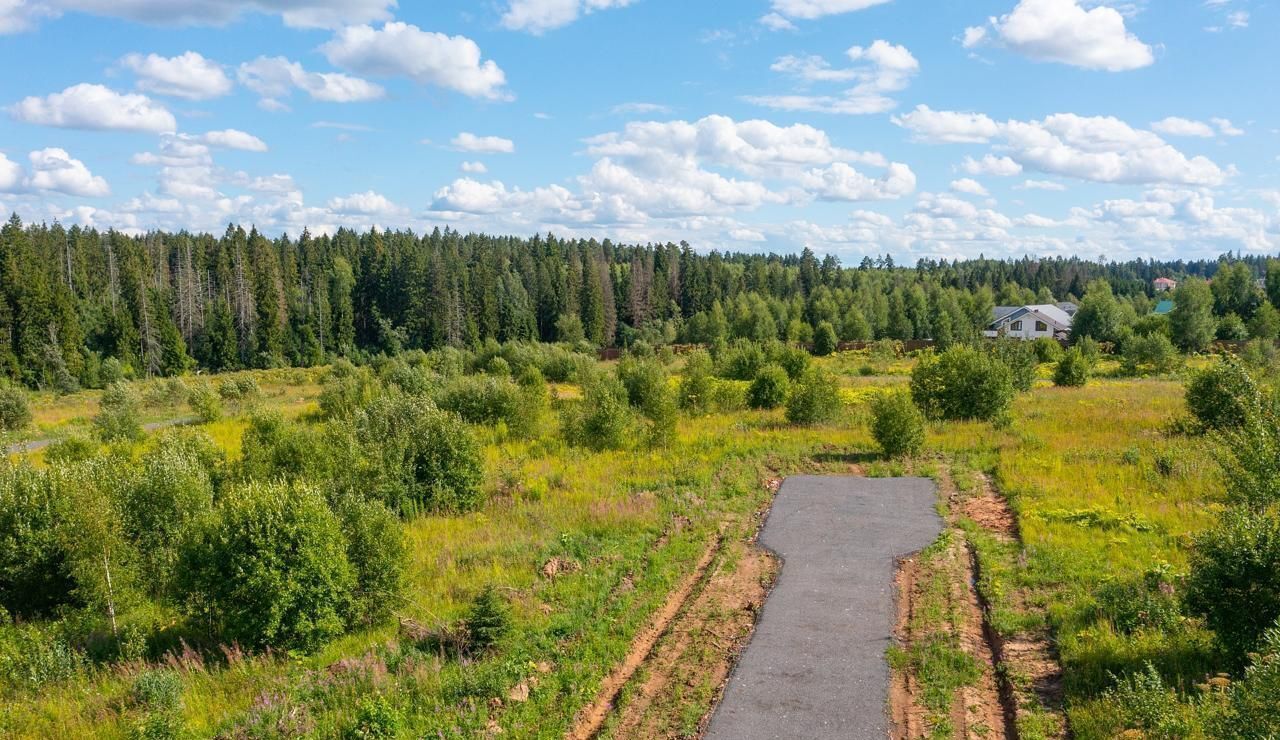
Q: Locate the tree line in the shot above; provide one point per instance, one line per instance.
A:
(79, 307)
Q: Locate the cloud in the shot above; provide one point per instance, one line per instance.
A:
(973, 36)
(1042, 185)
(368, 203)
(233, 139)
(22, 15)
(640, 109)
(274, 78)
(950, 127)
(1226, 128)
(775, 22)
(1175, 126)
(473, 197)
(187, 75)
(969, 186)
(54, 170)
(886, 68)
(97, 108)
(811, 9)
(841, 182)
(12, 175)
(1098, 148)
(1063, 31)
(428, 58)
(474, 168)
(469, 142)
(991, 165)
(540, 16)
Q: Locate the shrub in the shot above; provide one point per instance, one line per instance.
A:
(173, 489)
(1250, 707)
(1073, 369)
(1235, 579)
(490, 400)
(269, 569)
(376, 719)
(769, 389)
(825, 340)
(603, 419)
(1223, 396)
(1148, 602)
(273, 448)
(696, 382)
(1020, 357)
(377, 552)
(1047, 350)
(897, 424)
(417, 457)
(32, 657)
(1149, 354)
(347, 390)
(206, 404)
(962, 383)
(1232, 328)
(814, 399)
(35, 578)
(1144, 703)
(488, 620)
(741, 361)
(117, 419)
(792, 359)
(644, 379)
(73, 449)
(15, 414)
(158, 690)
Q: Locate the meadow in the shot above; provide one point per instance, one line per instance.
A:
(584, 546)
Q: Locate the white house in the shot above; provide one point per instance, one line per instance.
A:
(1030, 322)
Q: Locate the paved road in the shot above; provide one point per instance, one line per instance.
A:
(39, 444)
(816, 666)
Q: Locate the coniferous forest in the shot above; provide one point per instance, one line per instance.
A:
(76, 300)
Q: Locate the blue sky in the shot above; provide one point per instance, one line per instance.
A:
(940, 129)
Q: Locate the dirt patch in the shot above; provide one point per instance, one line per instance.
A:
(990, 511)
(691, 665)
(593, 717)
(906, 716)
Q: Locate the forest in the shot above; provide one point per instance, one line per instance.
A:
(163, 304)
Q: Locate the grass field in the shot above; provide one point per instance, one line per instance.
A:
(1101, 494)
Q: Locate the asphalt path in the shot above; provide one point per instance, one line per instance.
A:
(816, 665)
(18, 448)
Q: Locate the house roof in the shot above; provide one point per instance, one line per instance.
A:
(1166, 281)
(1059, 319)
(1068, 308)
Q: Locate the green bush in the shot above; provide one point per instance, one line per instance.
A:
(1152, 354)
(825, 340)
(376, 719)
(741, 361)
(814, 399)
(1021, 359)
(275, 449)
(962, 383)
(1250, 710)
(696, 382)
(769, 388)
(603, 419)
(1235, 579)
(792, 359)
(1143, 702)
(897, 424)
(483, 399)
(417, 457)
(206, 404)
(377, 551)
(158, 690)
(173, 489)
(35, 578)
(1223, 396)
(1073, 369)
(347, 389)
(73, 449)
(117, 419)
(15, 414)
(269, 568)
(32, 656)
(488, 620)
(1047, 349)
(1149, 602)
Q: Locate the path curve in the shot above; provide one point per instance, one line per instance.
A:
(816, 666)
(18, 448)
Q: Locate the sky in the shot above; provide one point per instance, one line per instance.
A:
(921, 129)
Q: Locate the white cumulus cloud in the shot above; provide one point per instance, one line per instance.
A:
(233, 139)
(884, 69)
(428, 58)
(811, 9)
(95, 107)
(1065, 31)
(189, 75)
(1175, 126)
(54, 170)
(275, 78)
(540, 16)
(469, 142)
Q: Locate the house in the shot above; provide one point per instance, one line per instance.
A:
(1164, 308)
(1164, 285)
(1030, 322)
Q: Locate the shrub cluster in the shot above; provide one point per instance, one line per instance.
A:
(897, 424)
(962, 383)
